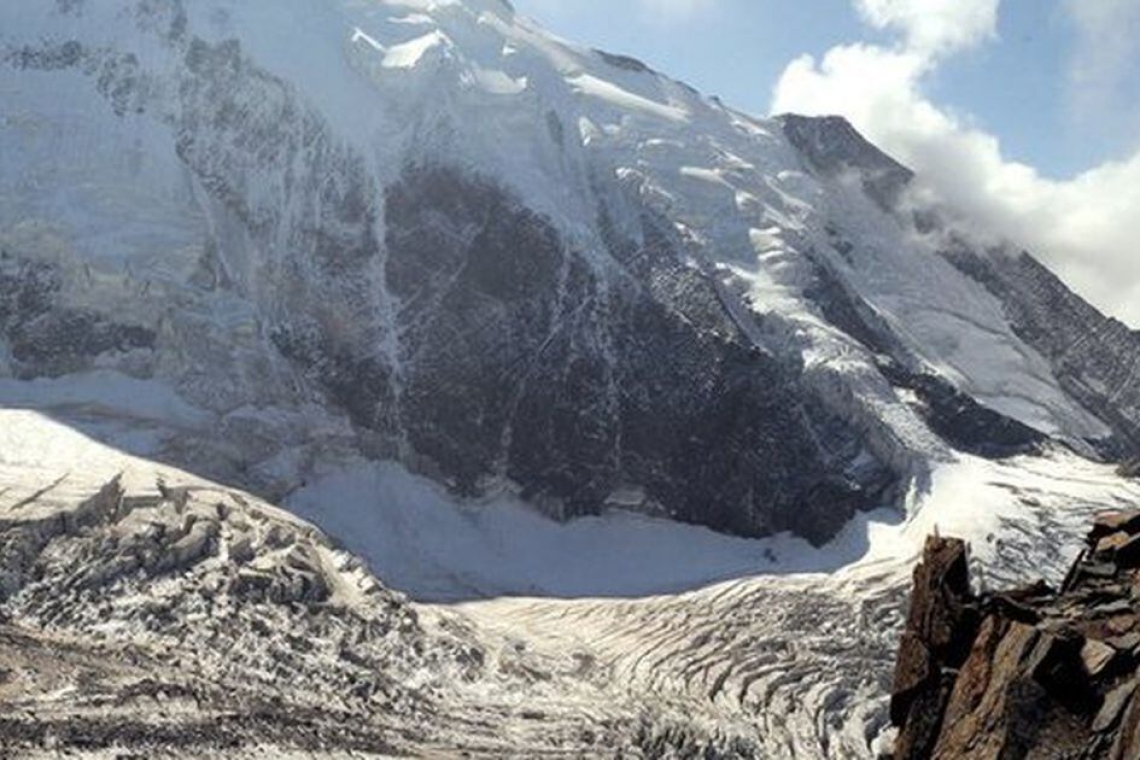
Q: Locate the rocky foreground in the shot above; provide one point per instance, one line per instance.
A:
(1029, 673)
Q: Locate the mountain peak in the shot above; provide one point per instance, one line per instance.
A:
(834, 146)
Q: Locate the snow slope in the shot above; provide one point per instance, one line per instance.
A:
(424, 542)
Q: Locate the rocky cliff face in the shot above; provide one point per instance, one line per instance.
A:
(1091, 355)
(1034, 672)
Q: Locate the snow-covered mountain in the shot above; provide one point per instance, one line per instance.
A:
(507, 262)
(421, 271)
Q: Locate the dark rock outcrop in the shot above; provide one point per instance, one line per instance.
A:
(832, 146)
(959, 419)
(48, 338)
(1130, 469)
(519, 358)
(1029, 673)
(1093, 356)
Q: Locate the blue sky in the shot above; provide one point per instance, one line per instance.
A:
(1023, 114)
(1015, 86)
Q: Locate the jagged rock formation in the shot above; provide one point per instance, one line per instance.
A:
(940, 628)
(1030, 673)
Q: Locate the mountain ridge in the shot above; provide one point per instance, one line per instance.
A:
(356, 241)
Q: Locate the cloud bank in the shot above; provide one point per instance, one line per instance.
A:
(1081, 227)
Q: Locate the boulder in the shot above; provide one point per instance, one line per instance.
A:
(1096, 656)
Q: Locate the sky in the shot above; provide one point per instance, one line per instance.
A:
(1022, 115)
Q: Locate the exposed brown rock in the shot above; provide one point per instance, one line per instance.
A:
(1126, 643)
(1045, 674)
(1096, 656)
(1108, 545)
(1127, 743)
(1116, 521)
(941, 625)
(1113, 705)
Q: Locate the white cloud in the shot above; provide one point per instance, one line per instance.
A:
(1081, 227)
(934, 27)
